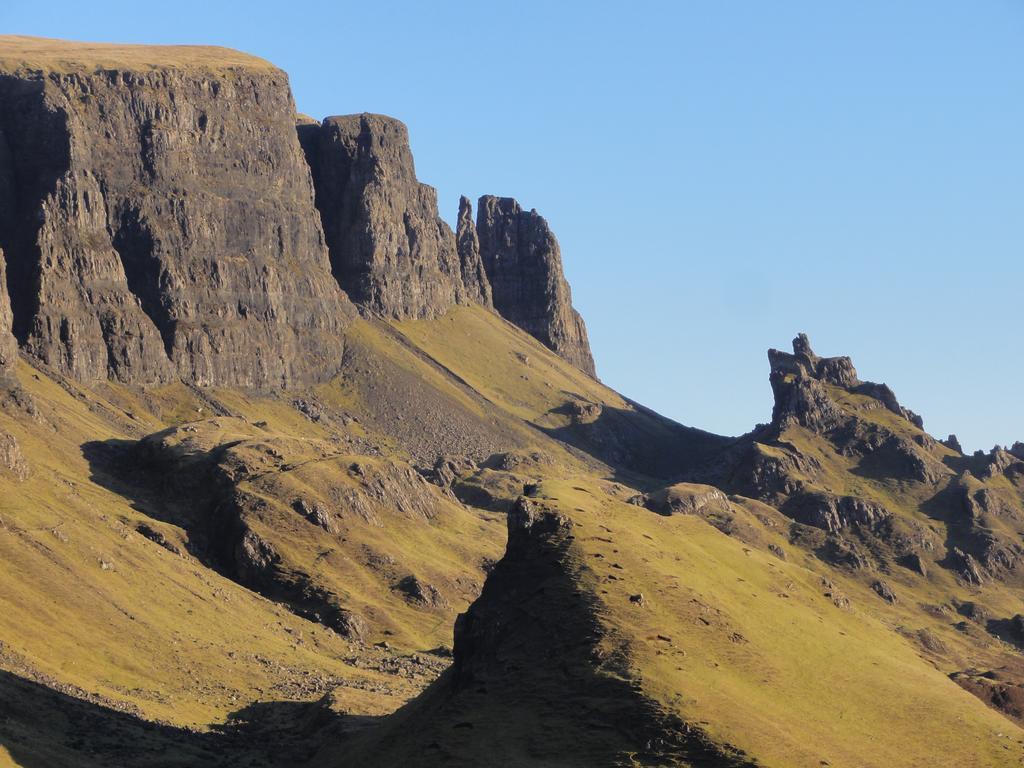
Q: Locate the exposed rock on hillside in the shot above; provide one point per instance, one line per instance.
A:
(798, 382)
(303, 524)
(531, 676)
(390, 250)
(160, 223)
(8, 344)
(524, 265)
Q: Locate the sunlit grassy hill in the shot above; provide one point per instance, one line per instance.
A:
(271, 577)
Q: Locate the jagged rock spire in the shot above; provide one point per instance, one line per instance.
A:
(474, 277)
(797, 381)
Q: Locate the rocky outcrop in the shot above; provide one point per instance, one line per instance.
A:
(524, 266)
(800, 380)
(390, 250)
(836, 513)
(158, 220)
(8, 344)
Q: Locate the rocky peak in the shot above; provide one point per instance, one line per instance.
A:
(800, 380)
(158, 219)
(390, 250)
(953, 443)
(803, 363)
(524, 266)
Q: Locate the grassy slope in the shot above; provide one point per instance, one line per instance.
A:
(89, 602)
(763, 658)
(758, 654)
(91, 605)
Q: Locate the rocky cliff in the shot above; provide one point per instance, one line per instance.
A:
(524, 267)
(390, 250)
(158, 218)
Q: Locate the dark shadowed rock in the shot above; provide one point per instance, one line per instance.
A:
(390, 250)
(914, 562)
(418, 591)
(953, 444)
(160, 224)
(524, 265)
(884, 591)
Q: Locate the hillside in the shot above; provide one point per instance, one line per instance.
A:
(291, 473)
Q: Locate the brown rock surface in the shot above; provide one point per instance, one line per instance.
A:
(474, 276)
(390, 250)
(524, 267)
(158, 219)
(8, 345)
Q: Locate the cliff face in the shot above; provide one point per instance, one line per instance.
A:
(524, 266)
(390, 250)
(159, 223)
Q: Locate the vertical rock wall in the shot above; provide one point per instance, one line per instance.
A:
(524, 267)
(160, 224)
(390, 250)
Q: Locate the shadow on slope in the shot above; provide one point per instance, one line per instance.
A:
(44, 728)
(537, 679)
(643, 447)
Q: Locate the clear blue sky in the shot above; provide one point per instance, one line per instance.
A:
(720, 174)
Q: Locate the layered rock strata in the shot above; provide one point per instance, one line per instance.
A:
(158, 219)
(390, 249)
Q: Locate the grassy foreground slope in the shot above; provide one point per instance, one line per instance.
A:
(718, 641)
(172, 555)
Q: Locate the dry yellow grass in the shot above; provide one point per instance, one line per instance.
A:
(38, 53)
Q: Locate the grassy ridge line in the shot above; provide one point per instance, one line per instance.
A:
(19, 52)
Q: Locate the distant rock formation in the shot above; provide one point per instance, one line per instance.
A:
(474, 276)
(158, 222)
(798, 382)
(390, 250)
(524, 266)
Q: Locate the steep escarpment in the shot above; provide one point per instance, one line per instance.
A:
(390, 250)
(159, 221)
(524, 267)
